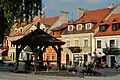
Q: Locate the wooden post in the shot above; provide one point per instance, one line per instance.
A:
(40, 58)
(28, 62)
(17, 58)
(59, 57)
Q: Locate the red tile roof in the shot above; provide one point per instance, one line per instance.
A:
(95, 15)
(58, 30)
(49, 20)
(109, 31)
(92, 16)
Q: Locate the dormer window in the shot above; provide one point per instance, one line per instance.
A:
(70, 28)
(79, 27)
(116, 27)
(20, 29)
(102, 28)
(88, 26)
(16, 30)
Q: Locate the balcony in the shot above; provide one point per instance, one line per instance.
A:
(75, 49)
(112, 51)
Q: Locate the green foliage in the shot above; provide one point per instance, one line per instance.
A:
(11, 10)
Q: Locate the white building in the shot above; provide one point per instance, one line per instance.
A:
(107, 39)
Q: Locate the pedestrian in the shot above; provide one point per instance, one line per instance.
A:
(85, 65)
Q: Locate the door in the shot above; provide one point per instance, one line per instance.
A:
(85, 58)
(67, 59)
(112, 61)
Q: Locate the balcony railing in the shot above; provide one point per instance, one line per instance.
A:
(75, 49)
(111, 51)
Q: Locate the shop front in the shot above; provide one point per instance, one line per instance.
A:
(112, 56)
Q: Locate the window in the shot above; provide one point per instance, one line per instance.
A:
(70, 27)
(7, 42)
(112, 43)
(102, 28)
(53, 57)
(47, 58)
(11, 44)
(115, 27)
(76, 42)
(79, 27)
(85, 43)
(20, 30)
(68, 43)
(11, 56)
(98, 44)
(76, 58)
(88, 26)
(85, 57)
(16, 30)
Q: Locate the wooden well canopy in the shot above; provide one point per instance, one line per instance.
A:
(42, 39)
(38, 37)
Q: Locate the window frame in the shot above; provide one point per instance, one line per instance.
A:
(67, 43)
(79, 26)
(111, 44)
(70, 27)
(88, 26)
(76, 43)
(98, 44)
(85, 43)
(115, 27)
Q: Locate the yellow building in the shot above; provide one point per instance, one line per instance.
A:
(79, 35)
(78, 45)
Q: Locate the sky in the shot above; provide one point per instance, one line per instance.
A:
(53, 7)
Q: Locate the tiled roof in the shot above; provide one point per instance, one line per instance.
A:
(49, 20)
(104, 22)
(64, 25)
(58, 30)
(46, 21)
(114, 18)
(92, 16)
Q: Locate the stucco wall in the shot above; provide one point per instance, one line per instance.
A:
(106, 39)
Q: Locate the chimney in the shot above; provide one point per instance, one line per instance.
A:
(43, 15)
(64, 14)
(80, 12)
(111, 6)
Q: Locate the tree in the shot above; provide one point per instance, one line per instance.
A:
(17, 10)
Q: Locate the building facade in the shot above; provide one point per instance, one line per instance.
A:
(20, 30)
(108, 39)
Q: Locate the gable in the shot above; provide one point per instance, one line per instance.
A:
(42, 26)
(33, 28)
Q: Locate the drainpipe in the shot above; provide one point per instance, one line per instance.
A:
(90, 47)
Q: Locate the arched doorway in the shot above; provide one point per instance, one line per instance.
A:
(67, 59)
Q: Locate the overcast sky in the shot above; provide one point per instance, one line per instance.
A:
(55, 6)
